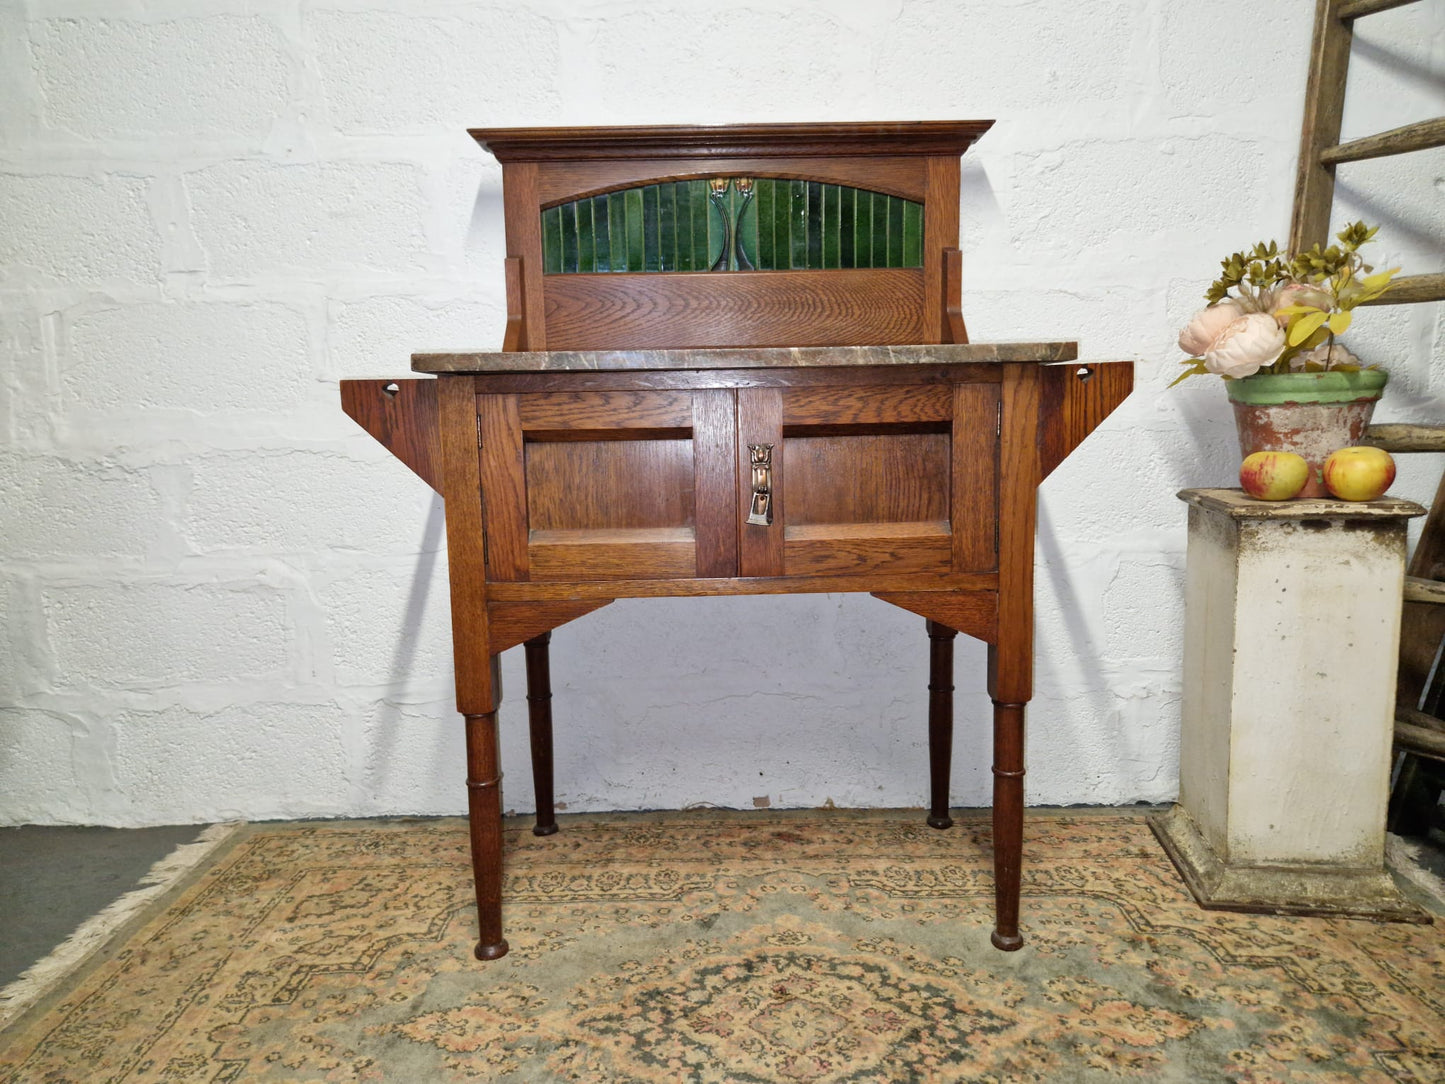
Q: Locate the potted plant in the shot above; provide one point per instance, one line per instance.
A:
(1272, 332)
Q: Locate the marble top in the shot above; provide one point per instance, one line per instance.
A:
(524, 361)
(1236, 504)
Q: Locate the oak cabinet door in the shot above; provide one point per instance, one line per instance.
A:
(609, 485)
(887, 479)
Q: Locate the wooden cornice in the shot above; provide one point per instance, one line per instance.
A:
(927, 138)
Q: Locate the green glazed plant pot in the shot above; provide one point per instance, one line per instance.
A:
(1310, 414)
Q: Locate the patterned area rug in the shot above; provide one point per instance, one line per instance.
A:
(776, 948)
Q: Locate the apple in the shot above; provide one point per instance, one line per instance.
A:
(1359, 473)
(1273, 476)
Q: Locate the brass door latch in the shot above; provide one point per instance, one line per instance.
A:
(760, 511)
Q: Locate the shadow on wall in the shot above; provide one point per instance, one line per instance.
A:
(384, 749)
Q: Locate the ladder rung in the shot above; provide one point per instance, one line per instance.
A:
(1357, 8)
(1401, 437)
(1411, 137)
(1419, 733)
(1421, 590)
(1412, 289)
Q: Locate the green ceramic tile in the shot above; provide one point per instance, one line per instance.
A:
(602, 240)
(763, 218)
(847, 206)
(715, 229)
(815, 225)
(798, 224)
(895, 231)
(832, 197)
(912, 234)
(782, 225)
(682, 228)
(552, 240)
(701, 216)
(586, 237)
(863, 230)
(569, 238)
(617, 229)
(748, 230)
(666, 228)
(633, 197)
(879, 257)
(651, 248)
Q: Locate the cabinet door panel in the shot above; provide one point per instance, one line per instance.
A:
(583, 486)
(875, 479)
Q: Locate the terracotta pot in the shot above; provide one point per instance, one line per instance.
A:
(1311, 414)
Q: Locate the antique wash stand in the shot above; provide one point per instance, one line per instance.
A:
(735, 363)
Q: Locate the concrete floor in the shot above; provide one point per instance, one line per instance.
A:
(53, 879)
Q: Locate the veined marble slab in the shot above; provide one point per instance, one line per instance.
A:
(524, 361)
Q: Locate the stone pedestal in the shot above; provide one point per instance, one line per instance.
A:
(1290, 649)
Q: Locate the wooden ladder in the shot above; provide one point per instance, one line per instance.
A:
(1420, 692)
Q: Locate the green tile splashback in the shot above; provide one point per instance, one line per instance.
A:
(732, 224)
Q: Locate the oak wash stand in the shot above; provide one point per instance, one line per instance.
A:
(734, 363)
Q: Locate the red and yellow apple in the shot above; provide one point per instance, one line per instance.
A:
(1273, 476)
(1359, 473)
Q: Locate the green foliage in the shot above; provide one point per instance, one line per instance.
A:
(1257, 279)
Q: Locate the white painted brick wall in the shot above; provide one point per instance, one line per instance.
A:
(218, 598)
(224, 76)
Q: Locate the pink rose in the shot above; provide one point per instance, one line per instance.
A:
(1245, 346)
(1200, 333)
(1300, 293)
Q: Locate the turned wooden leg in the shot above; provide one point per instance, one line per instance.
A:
(539, 718)
(1008, 821)
(940, 721)
(484, 805)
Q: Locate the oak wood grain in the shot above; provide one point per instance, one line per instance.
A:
(974, 613)
(940, 232)
(654, 553)
(737, 309)
(957, 331)
(514, 336)
(1073, 400)
(872, 403)
(466, 565)
(715, 481)
(513, 623)
(562, 182)
(609, 484)
(402, 416)
(503, 484)
(1011, 658)
(858, 549)
(867, 478)
(519, 591)
(596, 410)
(678, 141)
(973, 494)
(523, 225)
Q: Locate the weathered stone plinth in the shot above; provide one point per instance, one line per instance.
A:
(1291, 640)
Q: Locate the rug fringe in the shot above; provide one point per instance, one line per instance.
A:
(92, 934)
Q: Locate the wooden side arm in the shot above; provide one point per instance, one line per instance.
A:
(402, 415)
(1073, 399)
